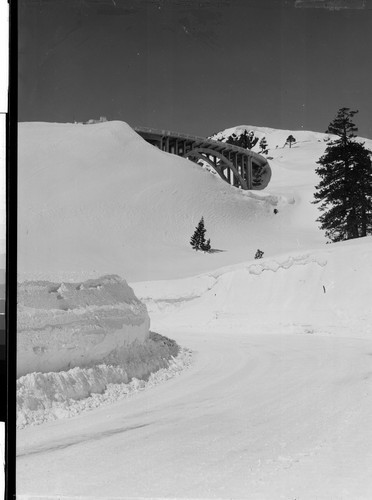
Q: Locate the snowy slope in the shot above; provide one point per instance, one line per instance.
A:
(133, 208)
(276, 402)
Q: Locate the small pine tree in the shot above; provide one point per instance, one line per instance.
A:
(263, 145)
(290, 140)
(198, 241)
(206, 247)
(259, 254)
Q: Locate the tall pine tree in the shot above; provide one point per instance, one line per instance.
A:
(345, 189)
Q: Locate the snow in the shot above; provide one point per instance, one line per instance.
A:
(43, 397)
(63, 325)
(81, 345)
(275, 137)
(301, 292)
(97, 186)
(256, 416)
(276, 398)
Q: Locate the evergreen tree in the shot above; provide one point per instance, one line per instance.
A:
(259, 254)
(290, 140)
(245, 140)
(198, 241)
(263, 145)
(206, 247)
(345, 188)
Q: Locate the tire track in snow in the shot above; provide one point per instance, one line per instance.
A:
(258, 414)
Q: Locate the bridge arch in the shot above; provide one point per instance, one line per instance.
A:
(224, 168)
(235, 165)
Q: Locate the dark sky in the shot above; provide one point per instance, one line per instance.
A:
(194, 66)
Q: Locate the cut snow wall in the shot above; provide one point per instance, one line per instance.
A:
(65, 325)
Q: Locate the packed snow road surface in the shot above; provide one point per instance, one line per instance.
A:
(256, 416)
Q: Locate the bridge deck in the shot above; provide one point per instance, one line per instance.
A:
(202, 141)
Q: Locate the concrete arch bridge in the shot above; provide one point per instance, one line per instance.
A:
(237, 166)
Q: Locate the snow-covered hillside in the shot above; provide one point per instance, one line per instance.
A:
(276, 138)
(133, 208)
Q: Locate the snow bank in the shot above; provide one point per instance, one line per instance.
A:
(42, 397)
(82, 345)
(66, 325)
(326, 292)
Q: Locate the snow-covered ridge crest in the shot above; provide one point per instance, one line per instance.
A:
(276, 138)
(64, 325)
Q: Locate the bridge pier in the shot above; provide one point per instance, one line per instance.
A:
(229, 171)
(249, 173)
(235, 162)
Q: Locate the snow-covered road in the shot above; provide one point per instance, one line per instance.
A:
(256, 416)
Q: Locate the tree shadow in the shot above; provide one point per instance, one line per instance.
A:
(216, 250)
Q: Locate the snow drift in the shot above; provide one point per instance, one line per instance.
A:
(323, 292)
(101, 191)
